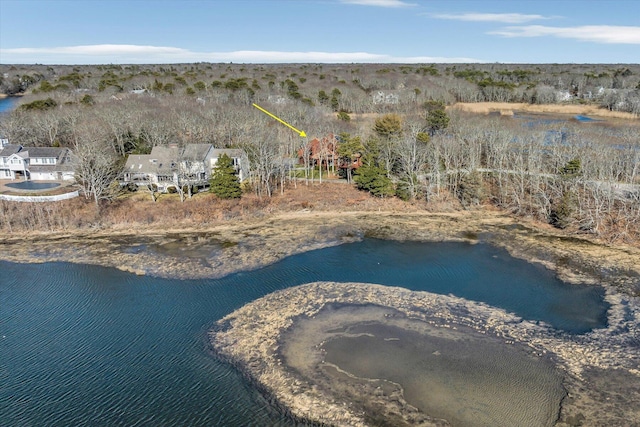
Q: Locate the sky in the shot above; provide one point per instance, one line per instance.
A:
(318, 31)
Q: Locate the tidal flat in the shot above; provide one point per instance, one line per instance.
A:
(357, 354)
(459, 375)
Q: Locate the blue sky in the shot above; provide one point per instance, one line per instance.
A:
(330, 31)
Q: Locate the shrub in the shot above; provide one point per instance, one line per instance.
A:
(344, 116)
(40, 104)
(562, 211)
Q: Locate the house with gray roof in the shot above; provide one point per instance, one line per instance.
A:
(170, 166)
(173, 166)
(36, 163)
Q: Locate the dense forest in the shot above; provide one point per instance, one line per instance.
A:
(357, 88)
(398, 122)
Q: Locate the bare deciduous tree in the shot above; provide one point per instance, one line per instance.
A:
(96, 164)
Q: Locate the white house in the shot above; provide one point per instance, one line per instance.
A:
(385, 98)
(35, 163)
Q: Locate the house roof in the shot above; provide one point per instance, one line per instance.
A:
(316, 148)
(148, 163)
(60, 153)
(164, 154)
(231, 152)
(10, 149)
(196, 152)
(46, 151)
(163, 159)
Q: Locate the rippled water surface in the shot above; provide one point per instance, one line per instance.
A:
(84, 345)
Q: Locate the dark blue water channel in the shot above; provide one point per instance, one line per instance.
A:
(86, 345)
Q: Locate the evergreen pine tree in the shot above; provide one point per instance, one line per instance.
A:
(224, 181)
(373, 178)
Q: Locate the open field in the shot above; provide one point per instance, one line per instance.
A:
(508, 108)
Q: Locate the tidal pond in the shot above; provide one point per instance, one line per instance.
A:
(86, 345)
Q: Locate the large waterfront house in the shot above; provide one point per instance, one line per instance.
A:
(319, 152)
(174, 166)
(35, 163)
(323, 153)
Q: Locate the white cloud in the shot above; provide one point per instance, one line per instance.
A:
(135, 54)
(592, 33)
(508, 18)
(380, 3)
(95, 50)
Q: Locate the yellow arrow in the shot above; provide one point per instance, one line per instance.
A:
(301, 132)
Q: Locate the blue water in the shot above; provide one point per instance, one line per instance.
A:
(7, 104)
(30, 185)
(86, 345)
(531, 121)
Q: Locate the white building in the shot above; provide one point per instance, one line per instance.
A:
(385, 98)
(35, 163)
